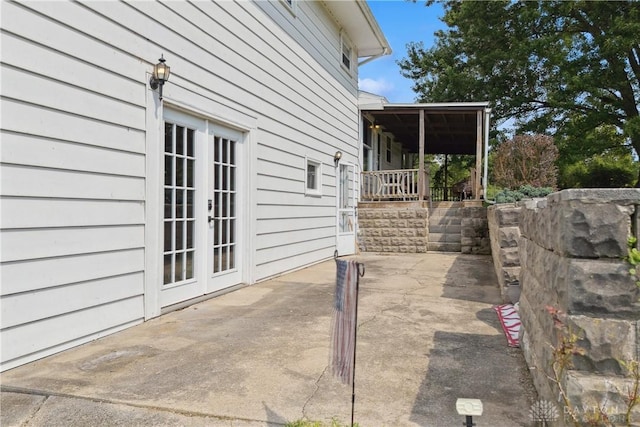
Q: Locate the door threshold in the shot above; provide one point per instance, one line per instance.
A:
(201, 298)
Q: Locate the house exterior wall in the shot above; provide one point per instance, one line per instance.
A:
(78, 158)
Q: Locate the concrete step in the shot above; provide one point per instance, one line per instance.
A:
(444, 247)
(457, 212)
(444, 220)
(445, 238)
(437, 205)
(445, 228)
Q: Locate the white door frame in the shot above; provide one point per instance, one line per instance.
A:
(346, 241)
(154, 160)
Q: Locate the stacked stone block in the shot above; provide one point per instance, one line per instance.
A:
(504, 227)
(393, 228)
(475, 231)
(572, 251)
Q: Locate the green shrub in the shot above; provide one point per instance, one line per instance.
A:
(524, 192)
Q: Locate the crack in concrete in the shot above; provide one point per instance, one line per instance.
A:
(48, 394)
(313, 394)
(405, 302)
(35, 411)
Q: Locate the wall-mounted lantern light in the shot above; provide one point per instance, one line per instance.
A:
(374, 125)
(161, 72)
(337, 157)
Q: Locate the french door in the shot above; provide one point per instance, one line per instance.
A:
(201, 223)
(223, 215)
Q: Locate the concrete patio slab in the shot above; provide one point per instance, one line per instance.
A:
(258, 356)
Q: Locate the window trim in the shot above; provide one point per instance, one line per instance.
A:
(290, 6)
(345, 40)
(316, 191)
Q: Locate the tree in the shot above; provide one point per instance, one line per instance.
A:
(565, 68)
(526, 160)
(610, 170)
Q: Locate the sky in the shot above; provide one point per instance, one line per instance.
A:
(401, 22)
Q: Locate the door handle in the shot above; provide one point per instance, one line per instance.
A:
(209, 218)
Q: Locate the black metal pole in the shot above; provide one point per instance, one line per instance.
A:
(469, 422)
(355, 334)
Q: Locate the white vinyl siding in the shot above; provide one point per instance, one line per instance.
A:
(73, 173)
(74, 155)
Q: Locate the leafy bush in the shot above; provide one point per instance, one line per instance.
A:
(525, 159)
(524, 192)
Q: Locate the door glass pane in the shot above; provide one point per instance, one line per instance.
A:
(225, 150)
(189, 274)
(168, 200)
(344, 186)
(179, 267)
(179, 140)
(179, 203)
(232, 205)
(179, 235)
(216, 260)
(346, 222)
(232, 152)
(232, 257)
(190, 172)
(190, 142)
(190, 202)
(180, 171)
(190, 234)
(168, 235)
(168, 170)
(168, 137)
(168, 264)
(225, 205)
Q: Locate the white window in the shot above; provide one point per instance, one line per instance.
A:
(313, 181)
(347, 52)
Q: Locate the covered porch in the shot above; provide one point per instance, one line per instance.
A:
(397, 137)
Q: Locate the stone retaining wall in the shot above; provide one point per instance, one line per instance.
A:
(393, 228)
(572, 250)
(504, 230)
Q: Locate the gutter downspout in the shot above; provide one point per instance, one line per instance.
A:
(485, 183)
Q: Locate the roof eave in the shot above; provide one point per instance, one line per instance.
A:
(355, 17)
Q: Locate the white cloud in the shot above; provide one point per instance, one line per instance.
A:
(376, 86)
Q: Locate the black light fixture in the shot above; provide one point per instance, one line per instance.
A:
(161, 73)
(337, 157)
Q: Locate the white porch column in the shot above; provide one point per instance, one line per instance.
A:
(421, 162)
(485, 182)
(476, 190)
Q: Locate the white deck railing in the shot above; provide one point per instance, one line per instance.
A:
(392, 185)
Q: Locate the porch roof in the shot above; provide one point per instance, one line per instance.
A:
(450, 128)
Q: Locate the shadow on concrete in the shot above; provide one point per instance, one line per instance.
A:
(465, 365)
(489, 316)
(472, 278)
(273, 418)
